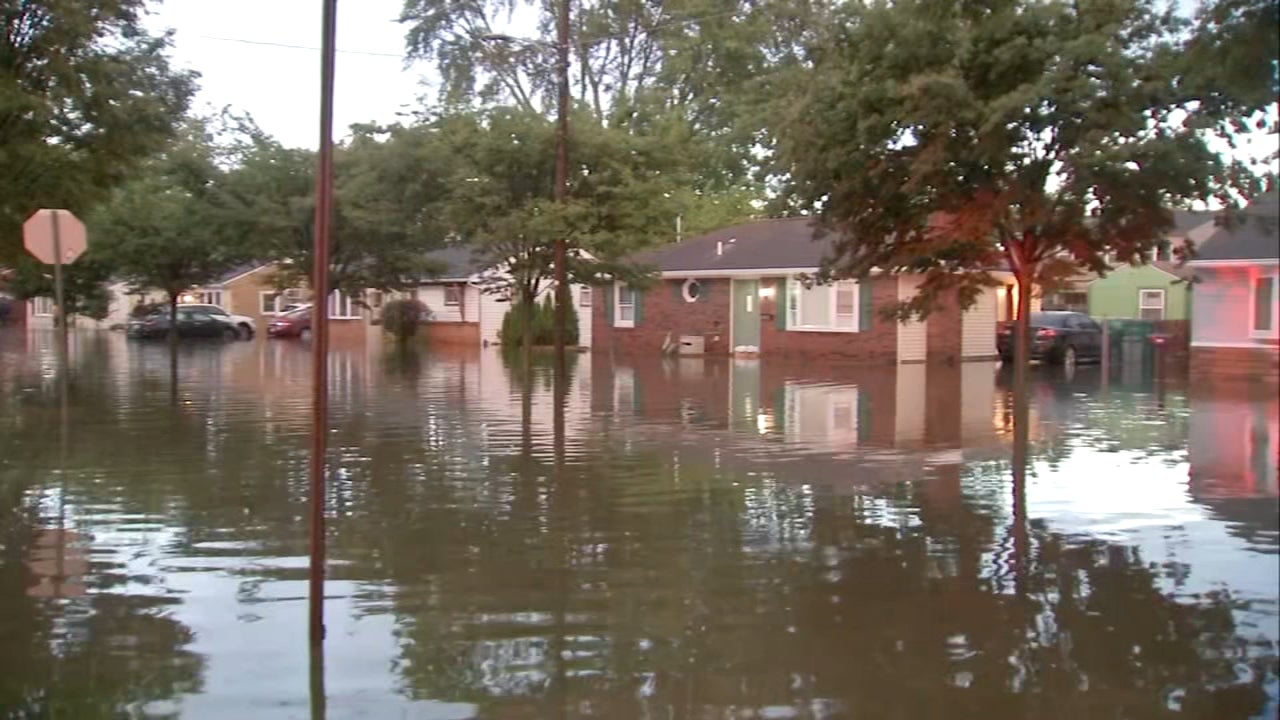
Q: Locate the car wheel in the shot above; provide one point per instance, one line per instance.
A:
(1068, 356)
(305, 335)
(231, 334)
(246, 332)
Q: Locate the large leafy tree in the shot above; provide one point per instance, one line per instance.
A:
(621, 197)
(86, 94)
(381, 234)
(175, 225)
(695, 64)
(955, 138)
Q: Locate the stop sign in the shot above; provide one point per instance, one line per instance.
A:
(46, 226)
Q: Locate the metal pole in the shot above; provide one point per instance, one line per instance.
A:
(60, 317)
(562, 179)
(320, 320)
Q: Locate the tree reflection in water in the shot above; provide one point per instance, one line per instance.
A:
(604, 574)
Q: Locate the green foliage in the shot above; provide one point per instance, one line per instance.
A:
(83, 284)
(1233, 55)
(511, 334)
(402, 317)
(384, 183)
(174, 225)
(950, 139)
(83, 100)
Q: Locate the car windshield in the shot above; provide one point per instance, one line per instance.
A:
(1049, 319)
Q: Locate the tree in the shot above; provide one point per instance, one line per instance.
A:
(382, 233)
(691, 66)
(620, 199)
(174, 226)
(84, 284)
(83, 101)
(953, 139)
(1233, 55)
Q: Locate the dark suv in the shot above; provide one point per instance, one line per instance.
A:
(1057, 337)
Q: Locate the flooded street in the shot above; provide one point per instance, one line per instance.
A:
(711, 539)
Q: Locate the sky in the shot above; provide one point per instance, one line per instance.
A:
(280, 86)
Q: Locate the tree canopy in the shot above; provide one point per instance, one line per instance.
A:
(952, 139)
(86, 94)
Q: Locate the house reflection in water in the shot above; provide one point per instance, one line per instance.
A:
(57, 563)
(1234, 446)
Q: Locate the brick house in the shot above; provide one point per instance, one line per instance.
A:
(740, 290)
(1235, 301)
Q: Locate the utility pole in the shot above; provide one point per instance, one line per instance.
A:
(561, 250)
(320, 322)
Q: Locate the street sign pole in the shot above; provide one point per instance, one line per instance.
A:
(60, 315)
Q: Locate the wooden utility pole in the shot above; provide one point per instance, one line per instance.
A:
(561, 250)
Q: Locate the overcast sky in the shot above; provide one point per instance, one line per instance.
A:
(280, 86)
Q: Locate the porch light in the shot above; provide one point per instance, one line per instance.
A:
(767, 291)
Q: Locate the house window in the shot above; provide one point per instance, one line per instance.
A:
(626, 304)
(269, 302)
(452, 295)
(830, 308)
(1266, 307)
(209, 297)
(42, 306)
(342, 307)
(1151, 304)
(584, 297)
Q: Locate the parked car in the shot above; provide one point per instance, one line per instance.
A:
(191, 324)
(243, 323)
(1060, 337)
(293, 324)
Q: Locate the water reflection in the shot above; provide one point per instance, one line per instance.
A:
(650, 538)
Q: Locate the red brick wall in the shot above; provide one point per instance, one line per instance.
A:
(879, 344)
(663, 310)
(452, 333)
(1229, 364)
(944, 330)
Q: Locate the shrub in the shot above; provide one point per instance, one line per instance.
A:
(544, 323)
(402, 317)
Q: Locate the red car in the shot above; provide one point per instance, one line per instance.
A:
(294, 324)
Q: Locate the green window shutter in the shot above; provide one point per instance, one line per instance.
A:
(781, 301)
(677, 290)
(704, 291)
(638, 296)
(866, 314)
(607, 292)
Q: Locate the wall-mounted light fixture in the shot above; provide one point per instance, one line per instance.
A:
(767, 291)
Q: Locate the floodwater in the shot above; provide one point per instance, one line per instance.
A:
(708, 539)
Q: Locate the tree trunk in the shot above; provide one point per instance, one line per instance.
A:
(526, 331)
(1022, 334)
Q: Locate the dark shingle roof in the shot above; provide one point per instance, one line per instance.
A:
(237, 271)
(456, 263)
(1252, 235)
(1184, 221)
(760, 244)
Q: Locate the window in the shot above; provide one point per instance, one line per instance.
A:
(209, 297)
(342, 307)
(1266, 307)
(832, 308)
(626, 310)
(692, 290)
(42, 306)
(1151, 304)
(452, 295)
(269, 303)
(584, 297)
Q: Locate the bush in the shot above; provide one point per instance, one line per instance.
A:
(544, 323)
(402, 317)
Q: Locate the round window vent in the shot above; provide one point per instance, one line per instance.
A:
(691, 290)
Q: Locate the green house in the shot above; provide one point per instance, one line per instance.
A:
(1156, 291)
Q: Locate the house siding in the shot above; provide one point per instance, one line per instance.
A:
(913, 341)
(978, 331)
(1116, 295)
(945, 329)
(1221, 307)
(663, 311)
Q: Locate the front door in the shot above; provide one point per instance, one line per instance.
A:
(746, 314)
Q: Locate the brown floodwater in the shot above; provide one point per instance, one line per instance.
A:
(705, 539)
